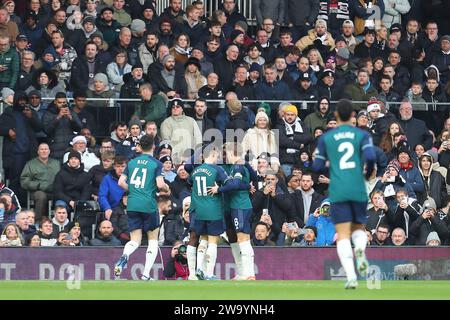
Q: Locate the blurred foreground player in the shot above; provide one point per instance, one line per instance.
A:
(346, 148)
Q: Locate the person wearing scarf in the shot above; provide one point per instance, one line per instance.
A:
(294, 135)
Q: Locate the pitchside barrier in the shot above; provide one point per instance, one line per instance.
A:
(271, 263)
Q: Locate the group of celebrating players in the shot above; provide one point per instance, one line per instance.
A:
(220, 200)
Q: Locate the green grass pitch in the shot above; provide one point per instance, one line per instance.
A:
(222, 290)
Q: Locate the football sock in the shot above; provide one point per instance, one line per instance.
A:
(150, 256)
(211, 256)
(201, 250)
(345, 253)
(130, 247)
(359, 239)
(247, 259)
(191, 259)
(236, 251)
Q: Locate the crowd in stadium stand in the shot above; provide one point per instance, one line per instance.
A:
(63, 152)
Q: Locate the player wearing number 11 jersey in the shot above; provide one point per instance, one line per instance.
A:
(347, 148)
(142, 178)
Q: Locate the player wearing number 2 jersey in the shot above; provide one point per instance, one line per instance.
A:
(141, 179)
(347, 148)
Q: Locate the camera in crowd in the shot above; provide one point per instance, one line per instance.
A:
(293, 226)
(180, 254)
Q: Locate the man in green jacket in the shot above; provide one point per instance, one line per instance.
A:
(152, 107)
(361, 90)
(9, 63)
(37, 177)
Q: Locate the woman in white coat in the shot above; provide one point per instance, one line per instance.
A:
(260, 139)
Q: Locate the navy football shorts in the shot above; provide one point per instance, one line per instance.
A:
(349, 211)
(145, 221)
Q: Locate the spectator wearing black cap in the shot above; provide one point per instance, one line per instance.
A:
(21, 44)
(367, 48)
(108, 26)
(130, 89)
(85, 67)
(327, 87)
(147, 13)
(303, 89)
(71, 183)
(182, 131)
(31, 29)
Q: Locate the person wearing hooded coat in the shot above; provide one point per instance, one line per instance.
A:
(319, 117)
(433, 180)
(72, 183)
(47, 90)
(18, 126)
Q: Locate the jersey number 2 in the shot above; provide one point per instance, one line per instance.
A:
(349, 150)
(201, 186)
(138, 180)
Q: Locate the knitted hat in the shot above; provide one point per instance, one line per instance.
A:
(242, 24)
(102, 78)
(6, 92)
(33, 93)
(74, 154)
(395, 27)
(89, 19)
(291, 108)
(71, 225)
(135, 121)
(446, 37)
(235, 33)
(373, 105)
(394, 164)
(235, 106)
(429, 203)
(137, 26)
(260, 115)
(343, 53)
(186, 200)
(78, 139)
(166, 58)
(433, 235)
(266, 107)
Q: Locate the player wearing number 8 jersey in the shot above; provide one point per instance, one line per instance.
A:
(347, 148)
(142, 178)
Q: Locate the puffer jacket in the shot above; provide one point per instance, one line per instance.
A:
(72, 184)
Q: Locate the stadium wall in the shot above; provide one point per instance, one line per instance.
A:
(276, 263)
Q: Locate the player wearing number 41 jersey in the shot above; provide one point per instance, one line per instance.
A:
(346, 148)
(142, 178)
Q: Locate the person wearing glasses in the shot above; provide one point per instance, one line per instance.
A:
(381, 236)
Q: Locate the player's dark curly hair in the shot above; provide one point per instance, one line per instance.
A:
(344, 109)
